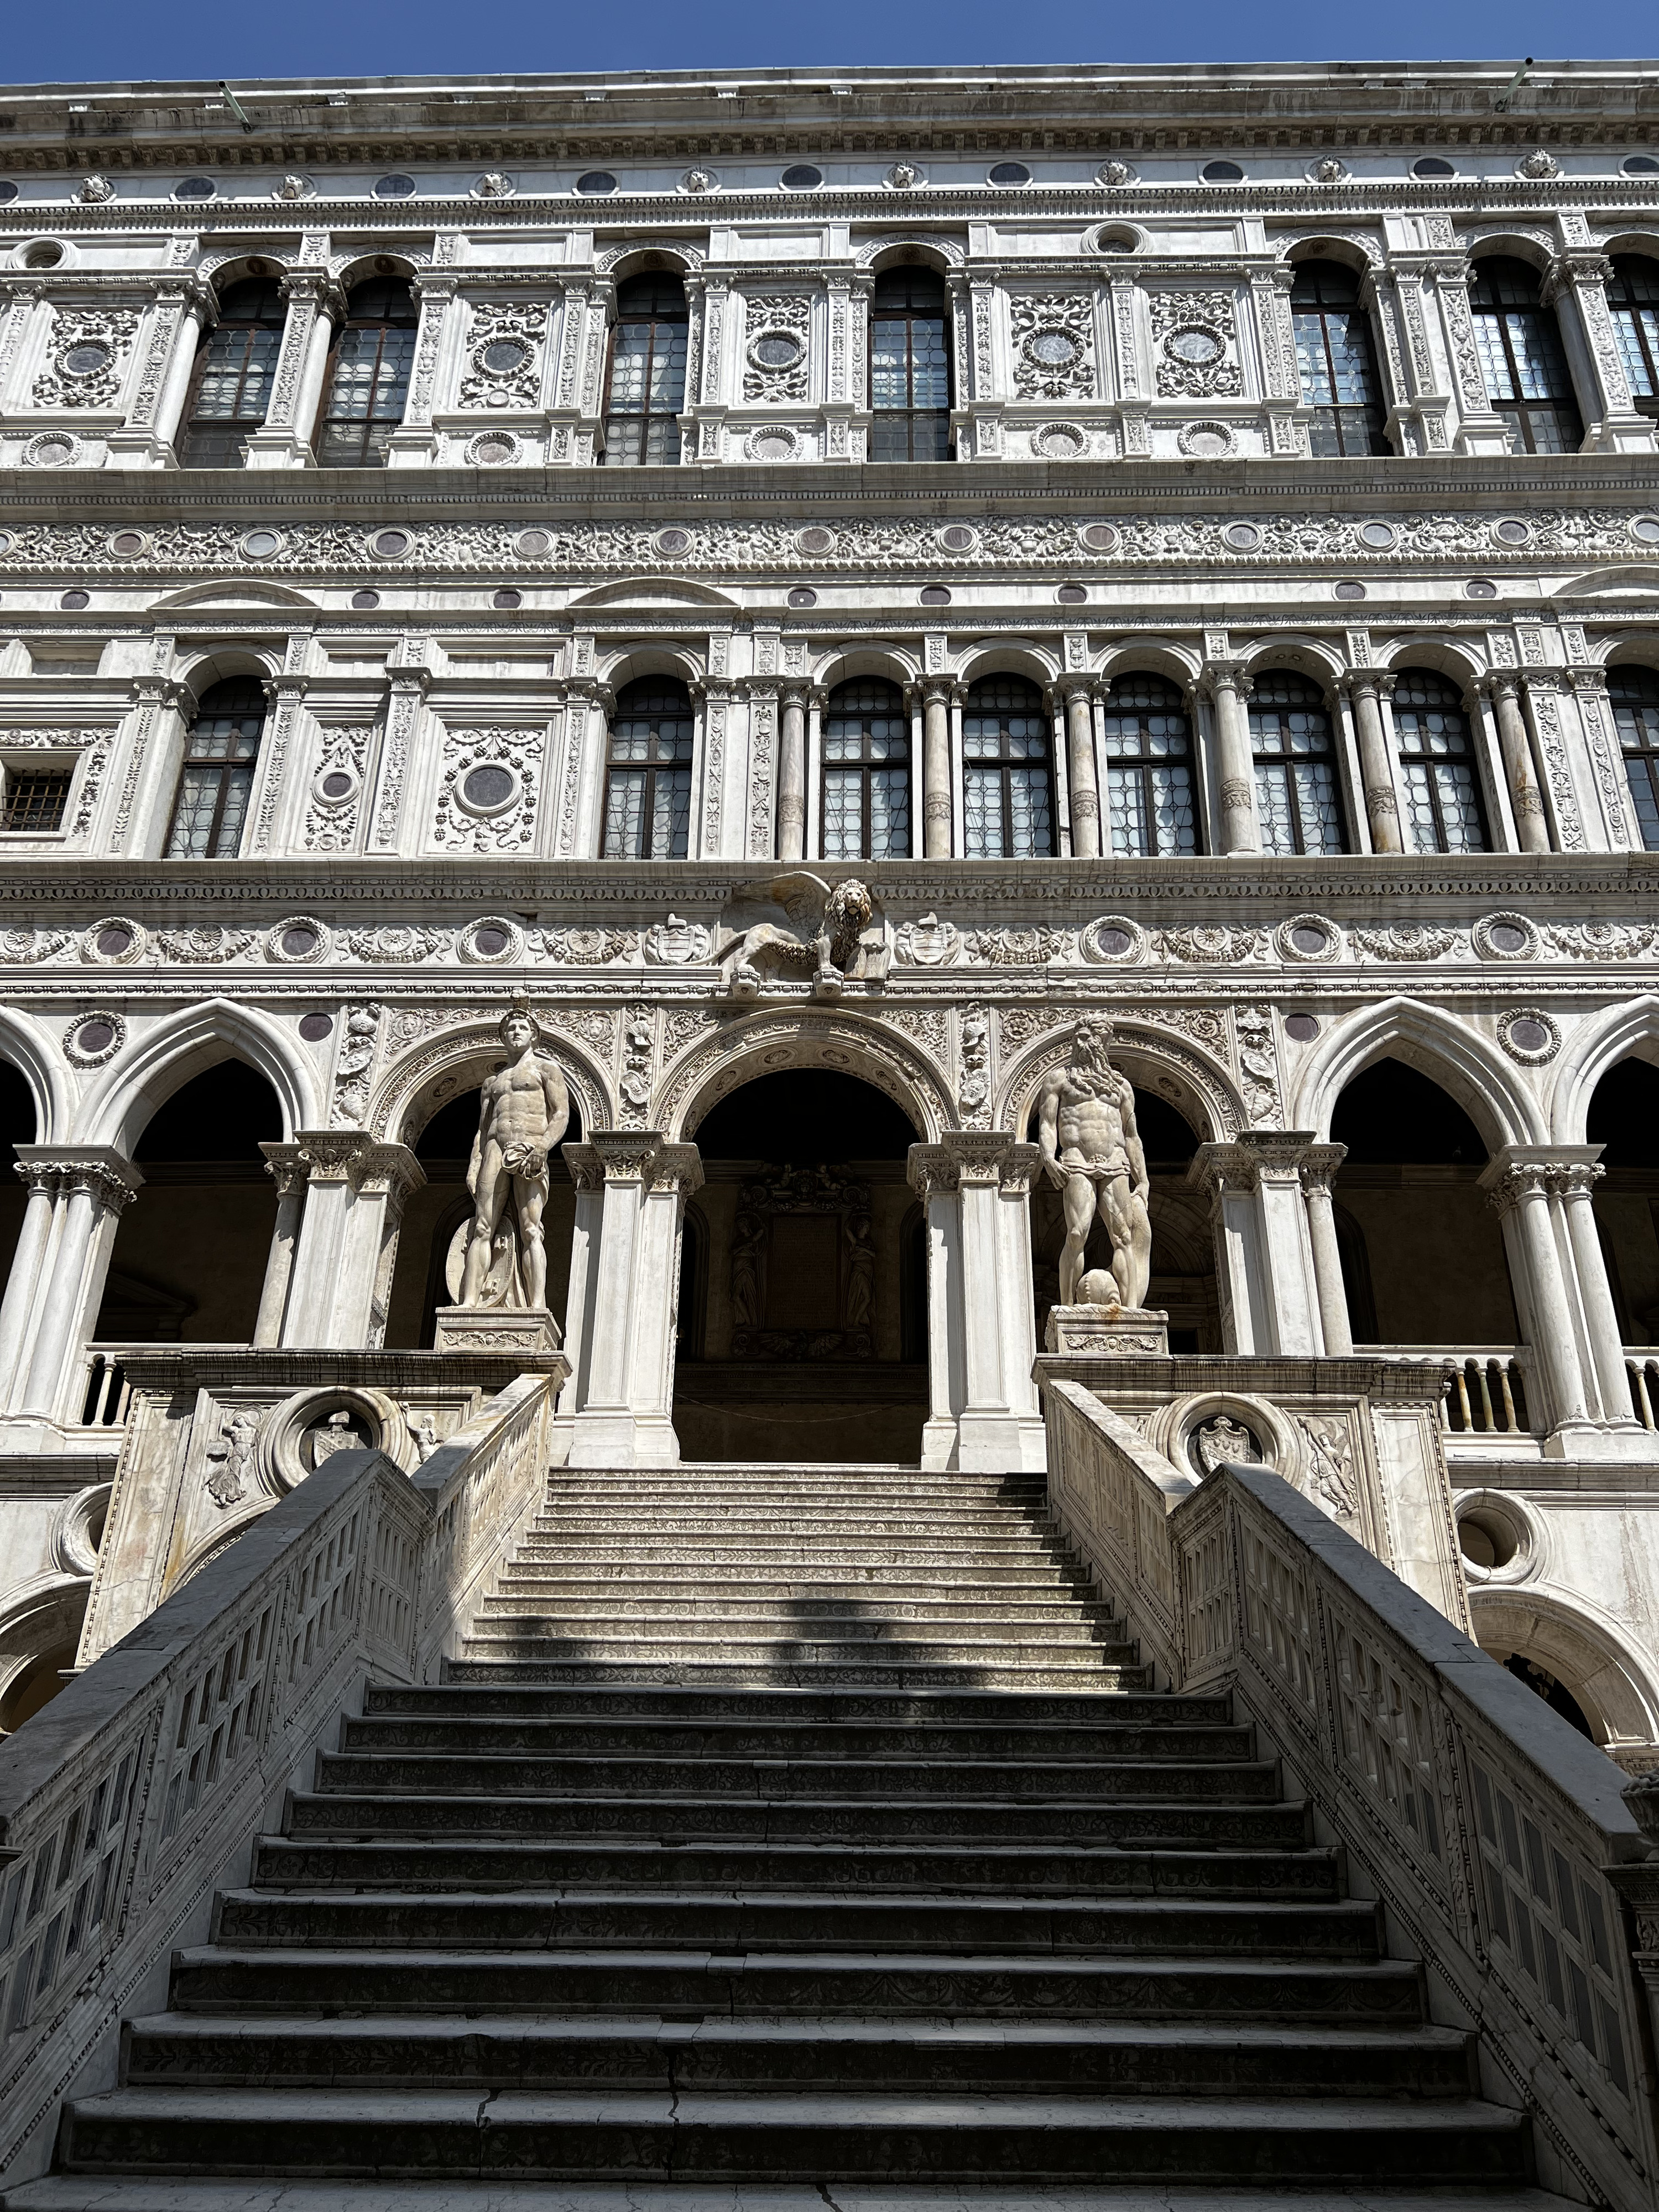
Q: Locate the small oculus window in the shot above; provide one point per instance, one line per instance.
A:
(1222, 172)
(8, 190)
(394, 187)
(1432, 165)
(1635, 165)
(596, 183)
(194, 188)
(801, 177)
(1009, 172)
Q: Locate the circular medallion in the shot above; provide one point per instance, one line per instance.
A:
(1305, 1028)
(92, 1039)
(803, 595)
(487, 788)
(389, 544)
(502, 356)
(1052, 347)
(1198, 348)
(365, 600)
(260, 545)
(313, 1027)
(1528, 1035)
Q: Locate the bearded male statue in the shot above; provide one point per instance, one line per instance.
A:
(1092, 1153)
(523, 1110)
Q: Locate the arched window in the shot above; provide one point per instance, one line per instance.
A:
(1334, 356)
(909, 366)
(1008, 782)
(216, 781)
(1436, 761)
(866, 772)
(647, 371)
(230, 385)
(1296, 788)
(1633, 296)
(1526, 369)
(368, 375)
(647, 781)
(1635, 696)
(1149, 777)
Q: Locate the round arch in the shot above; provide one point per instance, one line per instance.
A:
(1510, 245)
(1150, 656)
(943, 254)
(1630, 1031)
(35, 1055)
(429, 1075)
(1417, 652)
(1356, 253)
(41, 1617)
(641, 255)
(1198, 1087)
(199, 671)
(765, 1042)
(350, 270)
(1636, 648)
(1301, 656)
(639, 657)
(1009, 657)
(186, 1044)
(888, 662)
(1460, 1061)
(1585, 1649)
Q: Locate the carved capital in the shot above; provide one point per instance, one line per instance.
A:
(287, 1167)
(990, 1158)
(109, 1177)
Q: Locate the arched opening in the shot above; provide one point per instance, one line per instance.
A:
(865, 799)
(1624, 1119)
(215, 775)
(1551, 1688)
(1431, 1246)
(1522, 359)
(1633, 296)
(1008, 779)
(1634, 694)
(1148, 742)
(1444, 810)
(190, 1251)
(235, 367)
(1336, 361)
(368, 372)
(910, 366)
(437, 1214)
(647, 371)
(17, 1126)
(1183, 1250)
(648, 776)
(808, 1345)
(1294, 752)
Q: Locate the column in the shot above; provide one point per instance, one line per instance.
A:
(1265, 1269)
(412, 442)
(93, 1185)
(284, 441)
(1228, 688)
(1577, 1178)
(1481, 429)
(1576, 287)
(355, 1189)
(285, 1164)
(1519, 1181)
(622, 1310)
(1420, 402)
(1365, 688)
(194, 317)
(1080, 770)
(1319, 1165)
(998, 1427)
(932, 1176)
(1515, 749)
(936, 766)
(792, 776)
(177, 314)
(23, 1285)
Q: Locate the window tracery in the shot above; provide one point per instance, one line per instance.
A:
(215, 778)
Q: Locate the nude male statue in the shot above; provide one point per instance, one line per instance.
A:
(1092, 1153)
(522, 1112)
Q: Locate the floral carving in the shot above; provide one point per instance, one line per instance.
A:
(1603, 941)
(1054, 338)
(351, 1070)
(337, 792)
(1017, 948)
(974, 1081)
(504, 355)
(1195, 335)
(1258, 1066)
(86, 358)
(1409, 940)
(1214, 946)
(776, 348)
(587, 948)
(202, 946)
(467, 823)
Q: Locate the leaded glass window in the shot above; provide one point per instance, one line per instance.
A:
(1336, 361)
(648, 371)
(1521, 359)
(1633, 296)
(1147, 740)
(1436, 763)
(866, 772)
(369, 367)
(216, 781)
(1296, 788)
(230, 385)
(1007, 773)
(1635, 696)
(909, 368)
(648, 782)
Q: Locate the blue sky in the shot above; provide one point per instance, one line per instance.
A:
(116, 38)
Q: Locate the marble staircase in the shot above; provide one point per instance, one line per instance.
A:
(793, 1832)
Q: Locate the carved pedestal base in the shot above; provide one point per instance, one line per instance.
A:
(496, 1328)
(1098, 1331)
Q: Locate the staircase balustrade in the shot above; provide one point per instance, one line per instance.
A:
(1485, 1392)
(138, 1790)
(1495, 1835)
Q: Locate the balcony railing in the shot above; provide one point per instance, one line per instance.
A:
(1485, 1392)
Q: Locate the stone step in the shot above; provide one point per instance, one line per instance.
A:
(498, 1693)
(494, 1656)
(437, 1865)
(808, 1623)
(894, 1782)
(952, 1494)
(757, 1523)
(708, 1985)
(1210, 1824)
(760, 1739)
(681, 1920)
(516, 1596)
(1051, 1579)
(507, 1639)
(868, 2057)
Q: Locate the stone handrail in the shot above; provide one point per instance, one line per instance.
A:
(1486, 1385)
(139, 1790)
(1484, 1823)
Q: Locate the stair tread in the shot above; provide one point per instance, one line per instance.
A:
(70, 2192)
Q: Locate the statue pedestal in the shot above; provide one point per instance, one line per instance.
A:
(1095, 1332)
(496, 1328)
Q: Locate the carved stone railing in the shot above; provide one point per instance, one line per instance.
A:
(1484, 1823)
(1642, 1365)
(140, 1788)
(1486, 1392)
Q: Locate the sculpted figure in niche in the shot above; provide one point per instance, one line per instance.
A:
(1092, 1153)
(522, 1112)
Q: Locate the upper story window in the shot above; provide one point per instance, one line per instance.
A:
(216, 781)
(1336, 361)
(1633, 296)
(368, 374)
(647, 371)
(34, 800)
(1521, 355)
(866, 772)
(1007, 776)
(1437, 764)
(1149, 774)
(1635, 696)
(230, 386)
(1296, 789)
(648, 777)
(909, 366)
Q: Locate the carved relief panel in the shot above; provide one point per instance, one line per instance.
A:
(1053, 345)
(489, 789)
(88, 350)
(1195, 345)
(777, 345)
(505, 352)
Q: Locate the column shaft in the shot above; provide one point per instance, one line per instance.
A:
(1516, 749)
(1333, 1317)
(792, 779)
(1080, 770)
(1236, 774)
(18, 1311)
(1375, 767)
(936, 771)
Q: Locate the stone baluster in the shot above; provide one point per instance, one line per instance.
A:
(631, 1190)
(1080, 768)
(984, 1416)
(1515, 750)
(1367, 689)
